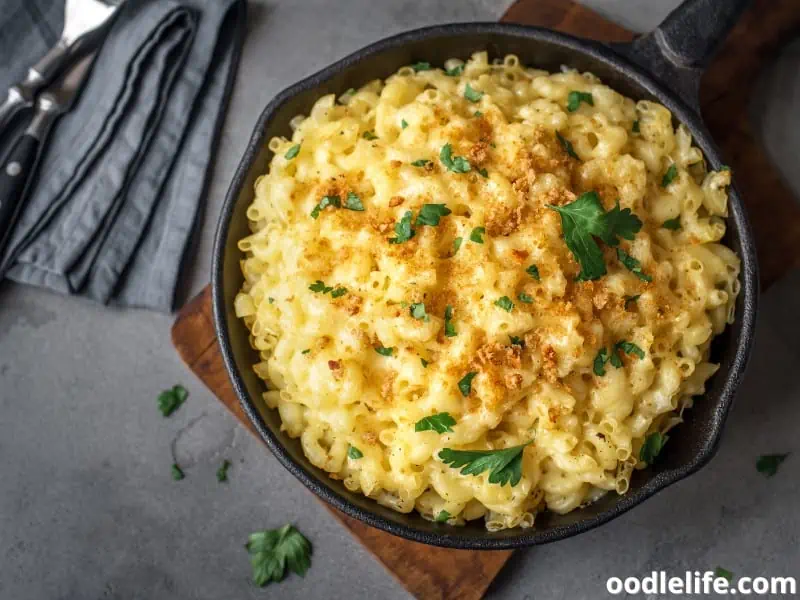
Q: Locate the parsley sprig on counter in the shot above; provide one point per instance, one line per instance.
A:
(504, 466)
(768, 464)
(584, 220)
(271, 551)
(169, 400)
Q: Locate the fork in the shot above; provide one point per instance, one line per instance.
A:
(83, 20)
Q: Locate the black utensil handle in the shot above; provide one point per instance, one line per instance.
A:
(15, 172)
(680, 48)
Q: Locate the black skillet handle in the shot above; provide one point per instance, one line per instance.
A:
(680, 48)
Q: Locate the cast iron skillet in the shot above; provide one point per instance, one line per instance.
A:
(665, 66)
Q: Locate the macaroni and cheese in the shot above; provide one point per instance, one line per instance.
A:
(485, 290)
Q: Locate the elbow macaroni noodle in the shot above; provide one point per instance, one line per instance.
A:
(332, 388)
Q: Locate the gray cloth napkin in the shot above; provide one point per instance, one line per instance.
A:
(118, 188)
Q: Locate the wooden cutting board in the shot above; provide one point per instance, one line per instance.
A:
(436, 573)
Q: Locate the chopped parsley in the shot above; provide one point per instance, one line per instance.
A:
(525, 298)
(169, 400)
(455, 71)
(484, 173)
(443, 516)
(424, 362)
(339, 291)
(504, 466)
(669, 176)
(420, 163)
(768, 464)
(575, 98)
(567, 146)
(177, 472)
(477, 113)
(505, 303)
(457, 244)
(719, 572)
(724, 168)
(403, 124)
(271, 551)
(421, 66)
(584, 220)
(629, 348)
(440, 423)
(292, 152)
(271, 300)
(353, 202)
(403, 230)
(477, 235)
(417, 311)
(369, 135)
(326, 201)
(652, 447)
(384, 351)
(533, 271)
(604, 356)
(456, 164)
(600, 362)
(306, 351)
(672, 224)
(222, 472)
(354, 453)
(319, 287)
(465, 383)
(517, 341)
(472, 95)
(449, 328)
(635, 127)
(630, 299)
(430, 214)
(633, 265)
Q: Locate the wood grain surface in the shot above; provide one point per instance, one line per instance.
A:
(432, 573)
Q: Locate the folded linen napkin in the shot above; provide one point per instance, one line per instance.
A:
(119, 185)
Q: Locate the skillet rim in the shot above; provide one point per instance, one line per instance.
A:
(452, 538)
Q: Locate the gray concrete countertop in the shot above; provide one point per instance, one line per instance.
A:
(87, 505)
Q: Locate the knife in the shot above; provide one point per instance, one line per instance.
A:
(19, 164)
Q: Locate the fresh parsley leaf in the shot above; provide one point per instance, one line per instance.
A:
(369, 135)
(455, 71)
(517, 341)
(630, 299)
(567, 146)
(477, 235)
(306, 351)
(580, 221)
(442, 517)
(669, 176)
(622, 223)
(421, 66)
(420, 163)
(319, 287)
(222, 472)
(354, 453)
(384, 351)
(457, 244)
(635, 127)
(169, 400)
(440, 423)
(353, 202)
(633, 265)
(533, 271)
(672, 224)
(525, 298)
(614, 359)
(600, 362)
(430, 214)
(652, 446)
(272, 550)
(403, 124)
(339, 291)
(484, 173)
(465, 384)
(504, 466)
(575, 98)
(723, 573)
(424, 362)
(449, 328)
(472, 95)
(456, 164)
(292, 152)
(403, 229)
(417, 311)
(326, 201)
(768, 464)
(629, 348)
(177, 472)
(505, 303)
